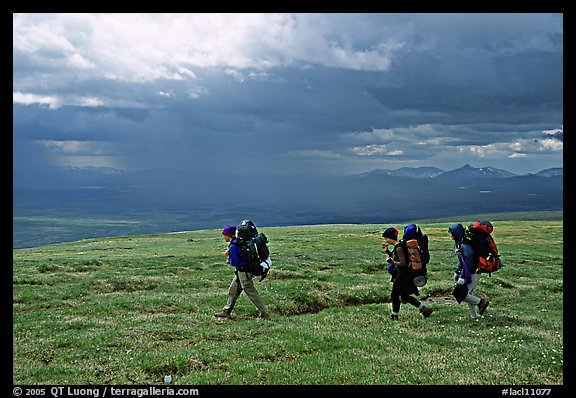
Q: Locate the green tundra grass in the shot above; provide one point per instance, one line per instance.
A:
(133, 309)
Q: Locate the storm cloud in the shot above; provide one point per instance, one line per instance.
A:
(294, 93)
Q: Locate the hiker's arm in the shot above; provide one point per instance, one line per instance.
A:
(402, 260)
(468, 255)
(386, 250)
(234, 256)
(402, 263)
(458, 269)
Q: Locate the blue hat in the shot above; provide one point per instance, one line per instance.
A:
(457, 230)
(410, 231)
(391, 233)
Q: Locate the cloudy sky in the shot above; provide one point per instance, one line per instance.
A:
(290, 93)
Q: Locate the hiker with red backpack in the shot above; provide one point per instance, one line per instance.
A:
(403, 287)
(467, 272)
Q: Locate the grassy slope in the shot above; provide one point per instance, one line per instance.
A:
(129, 310)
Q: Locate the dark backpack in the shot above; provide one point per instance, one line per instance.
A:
(415, 244)
(254, 247)
(479, 235)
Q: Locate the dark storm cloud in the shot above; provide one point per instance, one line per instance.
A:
(302, 92)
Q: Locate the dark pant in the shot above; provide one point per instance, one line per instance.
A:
(402, 289)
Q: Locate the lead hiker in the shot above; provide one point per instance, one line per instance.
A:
(403, 287)
(242, 280)
(466, 271)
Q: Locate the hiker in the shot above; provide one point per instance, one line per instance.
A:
(403, 287)
(242, 279)
(465, 272)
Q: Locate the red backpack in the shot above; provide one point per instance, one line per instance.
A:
(487, 259)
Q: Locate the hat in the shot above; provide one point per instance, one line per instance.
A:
(457, 231)
(410, 231)
(229, 230)
(391, 233)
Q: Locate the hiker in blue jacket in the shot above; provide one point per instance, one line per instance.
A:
(465, 272)
(403, 287)
(242, 280)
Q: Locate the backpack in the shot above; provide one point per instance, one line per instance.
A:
(487, 259)
(412, 252)
(254, 247)
(415, 244)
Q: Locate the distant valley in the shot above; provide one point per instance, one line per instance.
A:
(82, 203)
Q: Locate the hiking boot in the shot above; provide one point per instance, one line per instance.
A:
(393, 317)
(223, 314)
(426, 312)
(482, 306)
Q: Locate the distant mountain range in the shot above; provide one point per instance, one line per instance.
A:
(463, 173)
(76, 176)
(553, 172)
(193, 200)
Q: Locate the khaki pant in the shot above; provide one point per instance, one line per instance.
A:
(243, 281)
(471, 298)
